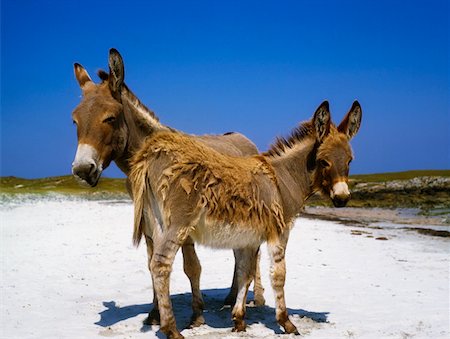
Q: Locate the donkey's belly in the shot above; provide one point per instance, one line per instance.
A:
(222, 235)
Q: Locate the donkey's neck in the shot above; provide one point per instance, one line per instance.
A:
(140, 123)
(294, 178)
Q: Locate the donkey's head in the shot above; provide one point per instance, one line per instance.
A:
(334, 154)
(101, 127)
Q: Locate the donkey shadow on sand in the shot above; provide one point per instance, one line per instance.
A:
(216, 315)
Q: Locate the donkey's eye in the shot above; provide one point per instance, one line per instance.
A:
(349, 162)
(109, 120)
(324, 163)
(74, 122)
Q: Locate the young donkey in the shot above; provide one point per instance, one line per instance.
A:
(111, 125)
(230, 202)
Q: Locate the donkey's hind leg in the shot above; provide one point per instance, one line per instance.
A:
(230, 299)
(277, 250)
(245, 270)
(258, 289)
(153, 317)
(193, 269)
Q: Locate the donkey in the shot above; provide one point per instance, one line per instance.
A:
(111, 125)
(188, 190)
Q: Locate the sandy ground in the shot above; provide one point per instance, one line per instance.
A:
(68, 270)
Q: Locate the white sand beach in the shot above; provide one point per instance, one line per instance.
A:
(69, 270)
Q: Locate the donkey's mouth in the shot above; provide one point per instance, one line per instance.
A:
(90, 181)
(337, 202)
(86, 183)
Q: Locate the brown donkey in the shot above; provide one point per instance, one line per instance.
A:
(111, 125)
(188, 190)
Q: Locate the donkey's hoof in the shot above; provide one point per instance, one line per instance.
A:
(289, 327)
(196, 321)
(153, 318)
(174, 335)
(171, 332)
(239, 326)
(151, 321)
(259, 300)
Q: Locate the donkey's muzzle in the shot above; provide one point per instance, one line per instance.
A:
(340, 194)
(86, 167)
(86, 173)
(340, 201)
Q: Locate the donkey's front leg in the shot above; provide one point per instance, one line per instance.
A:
(277, 250)
(193, 269)
(245, 270)
(166, 247)
(153, 317)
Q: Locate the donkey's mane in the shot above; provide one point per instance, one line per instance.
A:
(282, 144)
(133, 99)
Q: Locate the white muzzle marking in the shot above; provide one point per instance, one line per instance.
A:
(86, 154)
(340, 189)
(87, 167)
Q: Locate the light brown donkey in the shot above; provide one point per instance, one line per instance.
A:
(111, 125)
(189, 190)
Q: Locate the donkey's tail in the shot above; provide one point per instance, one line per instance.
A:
(139, 182)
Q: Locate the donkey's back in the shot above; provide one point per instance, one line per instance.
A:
(226, 201)
(232, 143)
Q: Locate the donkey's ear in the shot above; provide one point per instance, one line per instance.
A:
(104, 76)
(322, 120)
(83, 78)
(351, 122)
(116, 72)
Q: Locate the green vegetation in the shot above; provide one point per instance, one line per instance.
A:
(428, 190)
(380, 177)
(66, 185)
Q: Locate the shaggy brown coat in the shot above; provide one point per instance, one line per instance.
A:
(186, 190)
(111, 125)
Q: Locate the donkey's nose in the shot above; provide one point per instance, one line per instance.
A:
(86, 171)
(340, 194)
(86, 165)
(341, 201)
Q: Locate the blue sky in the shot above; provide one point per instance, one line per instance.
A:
(257, 67)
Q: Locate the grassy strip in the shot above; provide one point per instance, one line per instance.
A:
(425, 198)
(382, 177)
(62, 185)
(67, 184)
